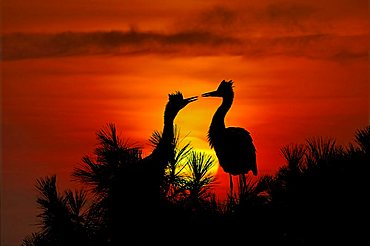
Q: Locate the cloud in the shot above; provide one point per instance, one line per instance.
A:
(249, 18)
(286, 28)
(315, 46)
(217, 18)
(25, 45)
(318, 46)
(290, 16)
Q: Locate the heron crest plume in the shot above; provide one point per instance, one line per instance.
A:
(177, 96)
(226, 84)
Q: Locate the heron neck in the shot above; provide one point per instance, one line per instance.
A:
(167, 134)
(218, 120)
(164, 149)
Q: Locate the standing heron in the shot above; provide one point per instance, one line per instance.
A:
(234, 146)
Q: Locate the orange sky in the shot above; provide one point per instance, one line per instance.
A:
(69, 67)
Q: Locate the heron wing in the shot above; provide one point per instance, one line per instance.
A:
(238, 152)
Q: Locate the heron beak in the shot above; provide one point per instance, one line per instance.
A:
(190, 99)
(211, 94)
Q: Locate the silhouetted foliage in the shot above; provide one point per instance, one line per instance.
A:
(362, 138)
(173, 186)
(61, 219)
(35, 239)
(317, 197)
(200, 179)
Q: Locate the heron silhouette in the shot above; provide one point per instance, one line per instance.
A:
(153, 165)
(144, 213)
(164, 149)
(234, 146)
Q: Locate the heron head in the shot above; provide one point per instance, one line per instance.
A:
(176, 101)
(224, 89)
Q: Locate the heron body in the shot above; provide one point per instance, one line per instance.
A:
(234, 146)
(238, 157)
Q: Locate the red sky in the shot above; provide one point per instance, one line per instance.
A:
(68, 68)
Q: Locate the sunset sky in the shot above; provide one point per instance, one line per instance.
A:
(300, 70)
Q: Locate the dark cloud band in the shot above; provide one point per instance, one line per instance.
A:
(191, 43)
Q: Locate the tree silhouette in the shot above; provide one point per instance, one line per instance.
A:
(173, 185)
(362, 138)
(317, 197)
(200, 179)
(61, 218)
(35, 239)
(114, 178)
(112, 175)
(187, 189)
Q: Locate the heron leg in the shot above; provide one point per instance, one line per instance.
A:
(244, 180)
(231, 185)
